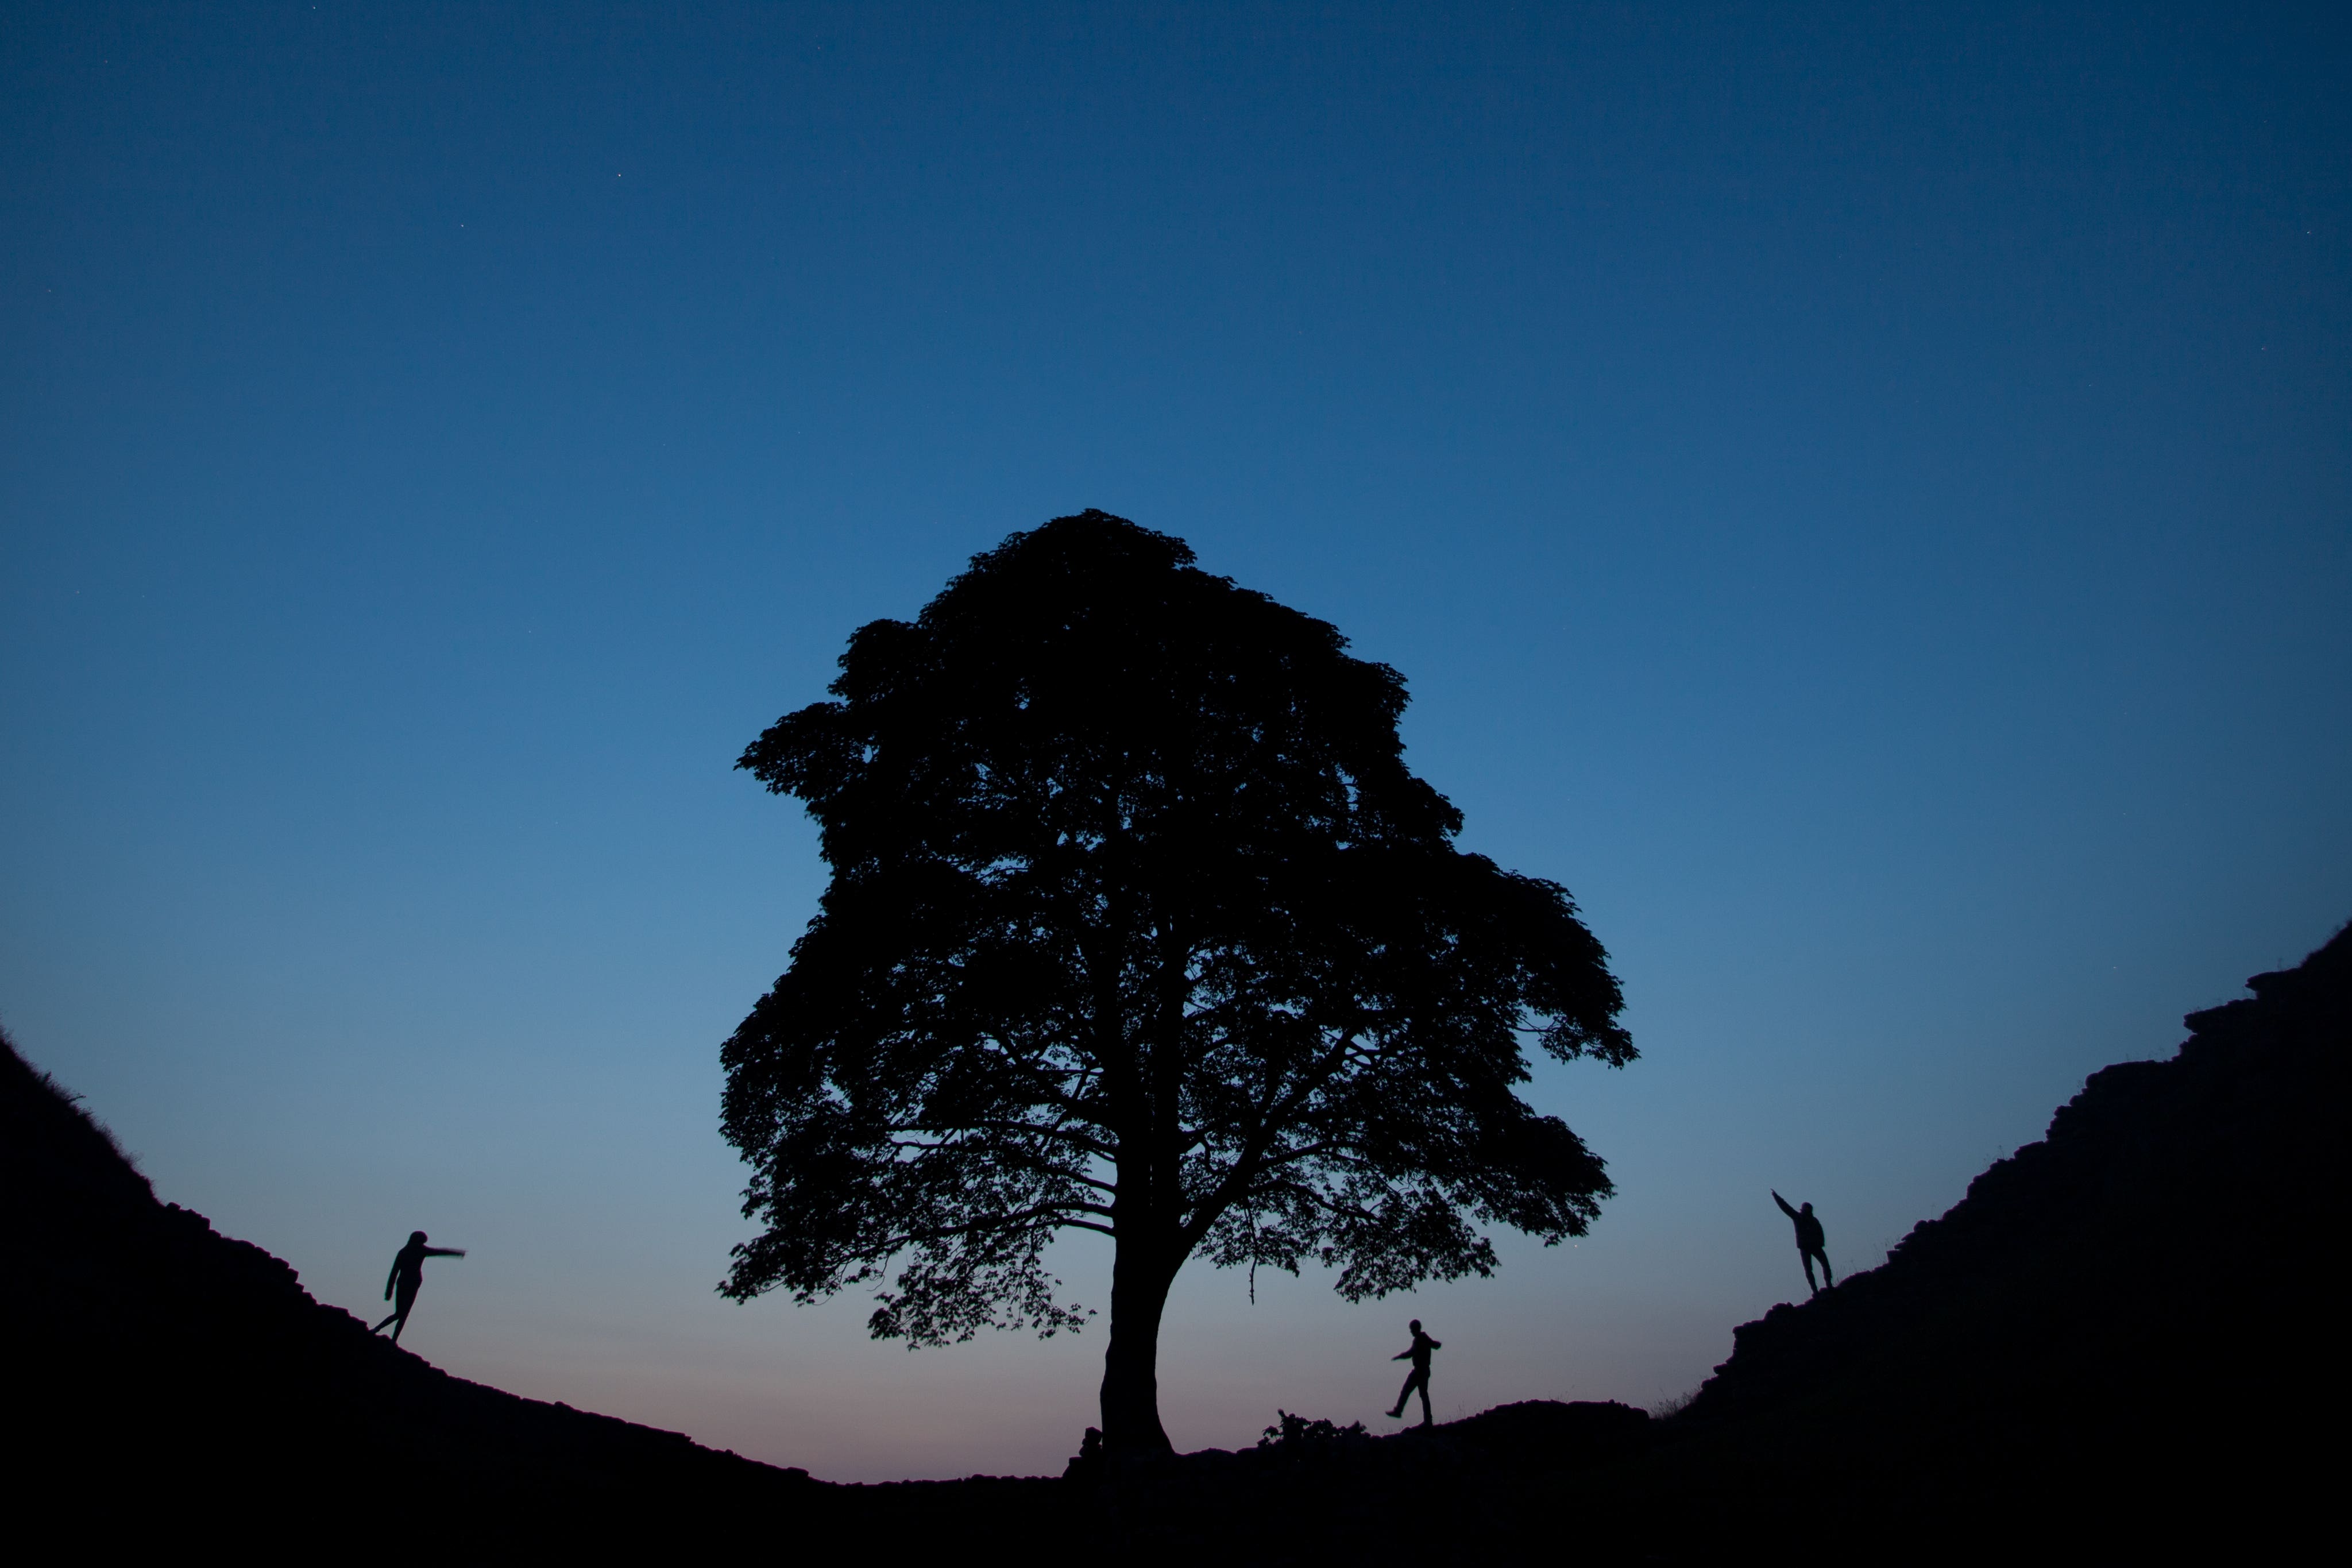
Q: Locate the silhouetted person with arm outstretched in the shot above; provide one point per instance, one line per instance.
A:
(1417, 1353)
(408, 1273)
(1809, 1243)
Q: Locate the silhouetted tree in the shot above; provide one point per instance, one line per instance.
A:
(1138, 924)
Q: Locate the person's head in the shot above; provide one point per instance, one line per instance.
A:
(1416, 1325)
(1801, 1209)
(417, 1237)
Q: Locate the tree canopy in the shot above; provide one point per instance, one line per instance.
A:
(1138, 924)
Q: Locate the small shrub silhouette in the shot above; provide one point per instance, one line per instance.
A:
(1296, 1434)
(1668, 1408)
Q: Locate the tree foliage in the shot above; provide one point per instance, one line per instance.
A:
(1138, 923)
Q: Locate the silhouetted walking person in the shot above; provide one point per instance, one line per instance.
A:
(1419, 1377)
(407, 1273)
(1809, 1243)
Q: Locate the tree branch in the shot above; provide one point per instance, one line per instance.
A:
(1018, 1220)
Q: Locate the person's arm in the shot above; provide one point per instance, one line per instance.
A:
(392, 1279)
(1437, 1344)
(1401, 1355)
(1784, 1205)
(445, 1252)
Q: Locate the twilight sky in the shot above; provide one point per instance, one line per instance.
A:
(1860, 494)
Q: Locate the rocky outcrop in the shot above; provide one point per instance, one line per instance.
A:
(2118, 1328)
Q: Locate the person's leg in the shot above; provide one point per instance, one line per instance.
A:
(1421, 1381)
(1403, 1395)
(1828, 1279)
(1807, 1259)
(403, 1300)
(379, 1328)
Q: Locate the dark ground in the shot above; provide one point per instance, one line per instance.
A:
(2113, 1346)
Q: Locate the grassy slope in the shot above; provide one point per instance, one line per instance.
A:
(165, 1367)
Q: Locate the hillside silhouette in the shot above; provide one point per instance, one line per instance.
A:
(2112, 1341)
(168, 1368)
(2116, 1335)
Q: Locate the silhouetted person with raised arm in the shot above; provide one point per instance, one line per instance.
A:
(407, 1273)
(1809, 1243)
(1417, 1353)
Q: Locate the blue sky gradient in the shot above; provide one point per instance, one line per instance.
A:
(1860, 494)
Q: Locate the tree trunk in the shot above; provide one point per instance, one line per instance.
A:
(1131, 1385)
